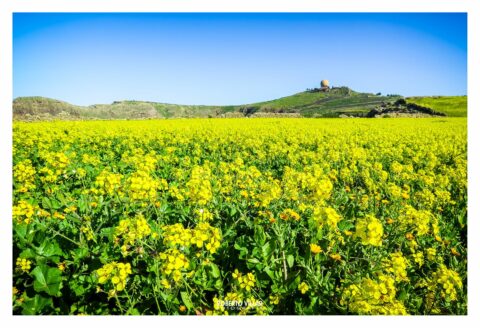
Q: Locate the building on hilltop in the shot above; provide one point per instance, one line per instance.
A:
(325, 86)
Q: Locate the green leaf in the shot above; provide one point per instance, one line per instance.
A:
(133, 311)
(47, 280)
(107, 232)
(77, 287)
(46, 203)
(27, 254)
(36, 305)
(290, 260)
(49, 248)
(218, 284)
(462, 220)
(259, 235)
(55, 204)
(345, 225)
(267, 250)
(79, 254)
(270, 273)
(82, 204)
(21, 230)
(62, 199)
(51, 203)
(24, 232)
(253, 260)
(403, 296)
(294, 283)
(186, 300)
(215, 270)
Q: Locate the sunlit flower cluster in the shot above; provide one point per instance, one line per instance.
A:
(246, 281)
(107, 183)
(23, 265)
(447, 281)
(24, 175)
(174, 263)
(369, 230)
(373, 297)
(116, 274)
(131, 230)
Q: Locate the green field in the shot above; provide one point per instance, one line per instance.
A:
(454, 106)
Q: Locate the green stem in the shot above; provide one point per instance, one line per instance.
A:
(147, 245)
(191, 289)
(118, 304)
(156, 300)
(56, 233)
(157, 280)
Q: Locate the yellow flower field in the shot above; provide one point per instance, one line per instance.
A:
(240, 216)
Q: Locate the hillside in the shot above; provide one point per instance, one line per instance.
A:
(455, 106)
(315, 103)
(39, 108)
(335, 102)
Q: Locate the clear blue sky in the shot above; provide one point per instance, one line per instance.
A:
(224, 58)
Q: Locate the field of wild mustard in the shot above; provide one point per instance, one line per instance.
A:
(240, 216)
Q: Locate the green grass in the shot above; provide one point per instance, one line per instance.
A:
(454, 106)
(324, 104)
(298, 99)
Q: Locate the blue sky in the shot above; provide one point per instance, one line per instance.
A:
(234, 58)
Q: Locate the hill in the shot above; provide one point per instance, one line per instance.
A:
(40, 106)
(315, 103)
(455, 106)
(335, 102)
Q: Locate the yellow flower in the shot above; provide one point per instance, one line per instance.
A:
(397, 264)
(369, 230)
(165, 284)
(315, 249)
(115, 272)
(61, 266)
(274, 299)
(336, 257)
(132, 230)
(326, 216)
(454, 251)
(418, 258)
(373, 297)
(448, 281)
(289, 214)
(23, 265)
(303, 287)
(431, 253)
(236, 274)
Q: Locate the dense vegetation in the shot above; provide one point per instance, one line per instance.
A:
(260, 216)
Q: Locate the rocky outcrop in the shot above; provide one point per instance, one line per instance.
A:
(401, 108)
